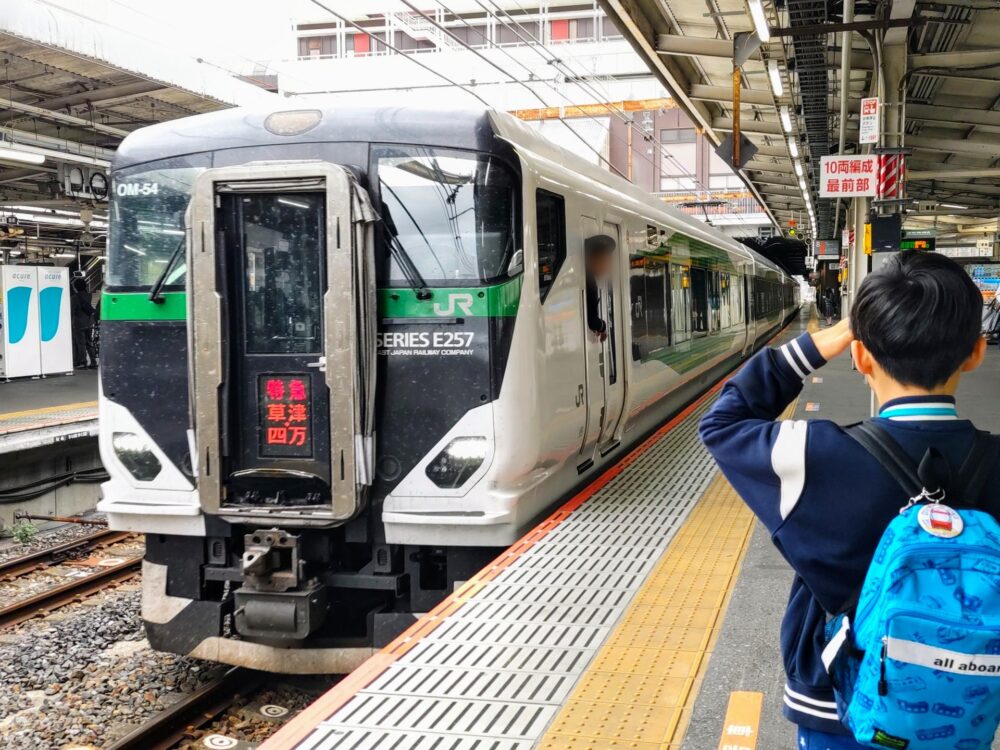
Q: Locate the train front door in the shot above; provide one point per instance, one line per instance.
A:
(275, 250)
(605, 387)
(282, 323)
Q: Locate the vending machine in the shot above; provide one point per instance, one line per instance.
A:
(20, 350)
(55, 334)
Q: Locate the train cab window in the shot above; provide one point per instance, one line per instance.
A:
(448, 215)
(550, 211)
(283, 287)
(148, 205)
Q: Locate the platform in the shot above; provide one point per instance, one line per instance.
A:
(40, 411)
(606, 627)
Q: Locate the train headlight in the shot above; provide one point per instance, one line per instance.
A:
(136, 456)
(459, 460)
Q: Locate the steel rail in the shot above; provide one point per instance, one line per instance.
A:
(45, 602)
(181, 720)
(19, 566)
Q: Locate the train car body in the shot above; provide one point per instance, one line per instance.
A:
(345, 361)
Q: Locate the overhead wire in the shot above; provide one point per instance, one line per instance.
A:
(602, 97)
(544, 81)
(513, 78)
(536, 45)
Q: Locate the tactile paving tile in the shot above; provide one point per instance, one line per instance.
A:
(638, 690)
(495, 674)
(47, 417)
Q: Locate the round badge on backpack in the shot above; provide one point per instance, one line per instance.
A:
(940, 520)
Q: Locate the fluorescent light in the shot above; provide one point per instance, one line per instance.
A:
(802, 184)
(798, 167)
(759, 20)
(175, 232)
(63, 255)
(8, 152)
(159, 260)
(952, 205)
(135, 250)
(793, 148)
(775, 75)
(786, 119)
(293, 204)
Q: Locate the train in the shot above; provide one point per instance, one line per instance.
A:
(345, 360)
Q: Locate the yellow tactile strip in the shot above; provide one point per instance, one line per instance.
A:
(48, 416)
(640, 689)
(642, 684)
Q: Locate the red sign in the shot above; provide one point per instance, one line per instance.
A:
(285, 416)
(848, 176)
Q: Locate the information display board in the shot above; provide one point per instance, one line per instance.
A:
(285, 416)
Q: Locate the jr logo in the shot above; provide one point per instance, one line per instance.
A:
(461, 302)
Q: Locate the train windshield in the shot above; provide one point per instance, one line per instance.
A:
(451, 214)
(147, 221)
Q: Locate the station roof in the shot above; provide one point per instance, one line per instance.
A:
(71, 89)
(952, 110)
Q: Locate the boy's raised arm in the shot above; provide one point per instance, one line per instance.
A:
(764, 459)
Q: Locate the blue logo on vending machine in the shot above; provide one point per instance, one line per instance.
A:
(18, 299)
(49, 301)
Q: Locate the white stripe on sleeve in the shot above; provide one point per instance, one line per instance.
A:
(788, 460)
(791, 361)
(801, 355)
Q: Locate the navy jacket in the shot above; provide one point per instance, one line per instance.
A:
(822, 497)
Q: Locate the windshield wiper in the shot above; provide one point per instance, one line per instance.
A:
(155, 293)
(406, 265)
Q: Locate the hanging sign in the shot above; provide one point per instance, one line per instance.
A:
(869, 120)
(847, 176)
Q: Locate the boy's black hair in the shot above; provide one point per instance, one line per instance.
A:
(599, 244)
(920, 316)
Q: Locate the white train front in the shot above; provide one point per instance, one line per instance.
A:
(346, 360)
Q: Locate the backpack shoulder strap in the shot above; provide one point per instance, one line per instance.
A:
(978, 466)
(884, 448)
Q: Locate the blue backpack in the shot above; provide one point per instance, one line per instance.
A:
(915, 662)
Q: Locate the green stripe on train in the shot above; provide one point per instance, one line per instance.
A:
(138, 306)
(497, 301)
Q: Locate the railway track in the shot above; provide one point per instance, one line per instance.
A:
(19, 566)
(75, 590)
(182, 720)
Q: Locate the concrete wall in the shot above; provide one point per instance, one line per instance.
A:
(24, 467)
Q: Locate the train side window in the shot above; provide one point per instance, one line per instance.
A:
(637, 294)
(550, 211)
(680, 302)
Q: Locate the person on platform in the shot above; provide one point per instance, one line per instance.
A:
(914, 329)
(82, 320)
(829, 305)
(599, 253)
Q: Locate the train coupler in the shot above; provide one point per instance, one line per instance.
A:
(275, 603)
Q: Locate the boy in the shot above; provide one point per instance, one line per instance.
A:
(914, 328)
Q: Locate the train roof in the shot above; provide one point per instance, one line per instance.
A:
(245, 126)
(477, 129)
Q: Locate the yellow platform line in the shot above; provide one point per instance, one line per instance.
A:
(640, 689)
(47, 410)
